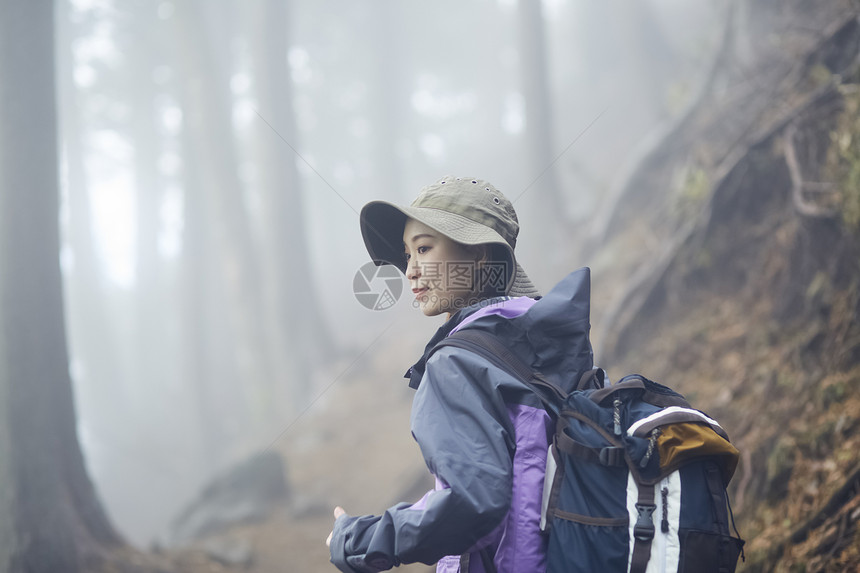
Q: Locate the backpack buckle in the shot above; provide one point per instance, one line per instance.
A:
(612, 456)
(644, 528)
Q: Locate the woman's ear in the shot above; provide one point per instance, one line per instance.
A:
(481, 253)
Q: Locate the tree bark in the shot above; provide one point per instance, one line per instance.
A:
(52, 519)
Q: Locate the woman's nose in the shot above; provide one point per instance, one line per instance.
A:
(412, 271)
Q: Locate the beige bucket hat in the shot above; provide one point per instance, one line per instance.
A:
(468, 211)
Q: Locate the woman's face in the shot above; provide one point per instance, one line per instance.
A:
(440, 271)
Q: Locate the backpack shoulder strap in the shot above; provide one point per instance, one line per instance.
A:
(490, 347)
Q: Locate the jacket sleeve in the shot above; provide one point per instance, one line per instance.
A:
(461, 423)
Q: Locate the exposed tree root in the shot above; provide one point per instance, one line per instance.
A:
(803, 207)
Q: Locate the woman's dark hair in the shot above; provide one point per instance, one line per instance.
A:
(492, 272)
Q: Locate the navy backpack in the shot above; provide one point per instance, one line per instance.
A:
(636, 478)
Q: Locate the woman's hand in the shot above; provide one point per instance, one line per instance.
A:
(338, 511)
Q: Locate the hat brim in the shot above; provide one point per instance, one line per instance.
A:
(382, 225)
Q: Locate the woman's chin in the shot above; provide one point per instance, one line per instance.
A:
(429, 305)
(430, 309)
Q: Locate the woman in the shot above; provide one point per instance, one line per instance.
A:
(482, 432)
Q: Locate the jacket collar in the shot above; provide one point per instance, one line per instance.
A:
(551, 337)
(416, 371)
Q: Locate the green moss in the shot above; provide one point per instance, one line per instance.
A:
(758, 561)
(704, 259)
(677, 96)
(819, 287)
(781, 457)
(780, 466)
(842, 165)
(820, 75)
(697, 186)
(832, 393)
(818, 441)
(691, 194)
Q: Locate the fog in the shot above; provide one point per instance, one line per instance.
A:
(215, 156)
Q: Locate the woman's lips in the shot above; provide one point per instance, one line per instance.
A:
(419, 292)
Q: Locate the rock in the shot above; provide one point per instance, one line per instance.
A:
(245, 493)
(230, 551)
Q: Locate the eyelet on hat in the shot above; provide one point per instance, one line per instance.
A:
(473, 181)
(497, 201)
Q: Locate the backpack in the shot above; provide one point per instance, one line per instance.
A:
(636, 478)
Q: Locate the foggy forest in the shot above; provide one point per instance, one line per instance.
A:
(197, 359)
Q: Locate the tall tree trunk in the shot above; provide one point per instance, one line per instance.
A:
(542, 201)
(298, 334)
(226, 317)
(52, 519)
(92, 336)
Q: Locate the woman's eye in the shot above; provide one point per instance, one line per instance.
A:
(420, 250)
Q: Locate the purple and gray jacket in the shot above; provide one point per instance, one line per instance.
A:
(484, 436)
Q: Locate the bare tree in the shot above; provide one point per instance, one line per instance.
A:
(52, 519)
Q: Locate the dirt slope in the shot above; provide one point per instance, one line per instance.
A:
(746, 296)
